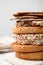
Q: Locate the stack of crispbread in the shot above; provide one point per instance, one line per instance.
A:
(29, 35)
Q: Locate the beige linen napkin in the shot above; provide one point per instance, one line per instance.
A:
(5, 43)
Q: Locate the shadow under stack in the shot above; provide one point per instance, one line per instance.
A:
(29, 35)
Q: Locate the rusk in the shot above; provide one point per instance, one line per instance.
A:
(30, 56)
(26, 30)
(26, 48)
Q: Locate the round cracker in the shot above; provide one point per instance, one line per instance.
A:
(26, 30)
(26, 48)
(30, 56)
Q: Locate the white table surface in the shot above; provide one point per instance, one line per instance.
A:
(11, 59)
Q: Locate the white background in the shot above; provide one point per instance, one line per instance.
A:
(8, 7)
